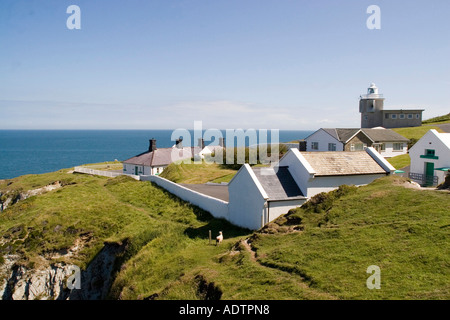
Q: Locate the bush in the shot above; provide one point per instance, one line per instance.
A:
(323, 201)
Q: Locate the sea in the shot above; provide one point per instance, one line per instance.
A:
(39, 151)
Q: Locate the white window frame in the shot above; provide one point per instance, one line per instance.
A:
(314, 145)
(398, 144)
(331, 146)
(393, 116)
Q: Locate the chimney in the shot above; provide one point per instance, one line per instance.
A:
(179, 143)
(201, 143)
(222, 142)
(302, 145)
(152, 146)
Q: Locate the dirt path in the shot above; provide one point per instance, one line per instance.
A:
(297, 279)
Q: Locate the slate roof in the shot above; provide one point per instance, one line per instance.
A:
(376, 135)
(163, 156)
(279, 185)
(384, 135)
(332, 163)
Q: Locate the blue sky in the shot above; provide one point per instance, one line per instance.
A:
(231, 64)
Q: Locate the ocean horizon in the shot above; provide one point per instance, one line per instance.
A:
(40, 151)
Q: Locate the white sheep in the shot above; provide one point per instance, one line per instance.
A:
(219, 238)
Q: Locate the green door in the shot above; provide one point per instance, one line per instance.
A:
(136, 170)
(429, 173)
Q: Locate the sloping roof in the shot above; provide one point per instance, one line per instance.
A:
(376, 135)
(345, 134)
(445, 138)
(334, 163)
(163, 156)
(384, 135)
(279, 184)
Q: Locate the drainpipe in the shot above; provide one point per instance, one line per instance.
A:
(266, 215)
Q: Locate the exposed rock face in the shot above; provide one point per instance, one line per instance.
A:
(15, 197)
(52, 282)
(48, 283)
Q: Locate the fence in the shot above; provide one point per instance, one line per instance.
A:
(424, 179)
(110, 174)
(218, 208)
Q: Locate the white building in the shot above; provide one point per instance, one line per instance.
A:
(155, 160)
(258, 195)
(430, 158)
(386, 141)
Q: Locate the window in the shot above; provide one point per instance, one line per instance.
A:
(402, 116)
(429, 154)
(410, 116)
(417, 116)
(398, 147)
(332, 147)
(357, 146)
(386, 115)
(314, 146)
(393, 116)
(383, 147)
(366, 117)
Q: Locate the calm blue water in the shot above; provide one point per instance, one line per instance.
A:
(39, 151)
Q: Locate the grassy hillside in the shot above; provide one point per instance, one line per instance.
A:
(320, 251)
(90, 211)
(415, 133)
(438, 120)
(400, 161)
(317, 255)
(197, 173)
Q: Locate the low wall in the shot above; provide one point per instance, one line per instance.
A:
(218, 208)
(110, 174)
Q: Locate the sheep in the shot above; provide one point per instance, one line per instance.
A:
(219, 238)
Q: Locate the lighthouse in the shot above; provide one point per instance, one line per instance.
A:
(371, 108)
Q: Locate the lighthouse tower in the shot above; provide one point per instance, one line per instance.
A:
(371, 108)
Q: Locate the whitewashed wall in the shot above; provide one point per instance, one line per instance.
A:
(300, 170)
(278, 208)
(430, 141)
(111, 174)
(390, 152)
(330, 183)
(129, 168)
(323, 138)
(218, 208)
(246, 200)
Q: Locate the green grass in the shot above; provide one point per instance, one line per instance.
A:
(415, 132)
(336, 237)
(438, 120)
(403, 231)
(401, 161)
(105, 166)
(197, 173)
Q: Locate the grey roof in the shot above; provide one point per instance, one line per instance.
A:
(278, 184)
(384, 135)
(163, 156)
(337, 163)
(376, 135)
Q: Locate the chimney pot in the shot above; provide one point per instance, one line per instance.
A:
(152, 145)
